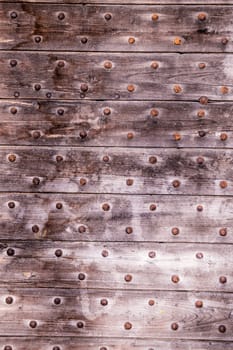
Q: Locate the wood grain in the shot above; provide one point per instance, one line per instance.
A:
(84, 76)
(122, 306)
(109, 122)
(112, 35)
(36, 264)
(86, 211)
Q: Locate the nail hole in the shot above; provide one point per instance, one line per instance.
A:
(13, 15)
(37, 39)
(222, 329)
(13, 63)
(60, 111)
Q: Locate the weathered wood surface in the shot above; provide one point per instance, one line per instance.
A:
(108, 123)
(36, 264)
(112, 35)
(85, 213)
(178, 77)
(132, 171)
(124, 2)
(123, 306)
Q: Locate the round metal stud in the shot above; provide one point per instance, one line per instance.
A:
(130, 136)
(152, 160)
(57, 301)
(128, 278)
(202, 133)
(222, 279)
(61, 64)
(58, 253)
(61, 16)
(201, 17)
(152, 254)
(82, 229)
(37, 87)
(200, 160)
(131, 88)
(154, 112)
(155, 17)
(83, 134)
(175, 231)
(153, 207)
(60, 111)
(10, 252)
(84, 40)
(33, 324)
(175, 278)
(13, 15)
(199, 255)
(35, 229)
(82, 182)
(199, 207)
(37, 39)
(11, 205)
(174, 326)
(203, 100)
(104, 302)
(13, 110)
(222, 328)
(13, 63)
(154, 65)
(36, 181)
(128, 325)
(177, 41)
(84, 87)
(108, 16)
(12, 158)
(199, 303)
(9, 300)
(224, 90)
(223, 136)
(107, 65)
(223, 231)
(202, 65)
(201, 113)
(225, 41)
(80, 324)
(81, 276)
(36, 134)
(59, 205)
(106, 207)
(106, 159)
(223, 184)
(177, 89)
(177, 136)
(129, 182)
(107, 111)
(131, 40)
(104, 253)
(16, 94)
(151, 302)
(176, 183)
(129, 230)
(59, 158)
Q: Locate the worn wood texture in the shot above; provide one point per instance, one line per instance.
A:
(112, 35)
(108, 123)
(178, 77)
(82, 218)
(36, 264)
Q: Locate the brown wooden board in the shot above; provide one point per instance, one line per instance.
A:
(131, 77)
(112, 34)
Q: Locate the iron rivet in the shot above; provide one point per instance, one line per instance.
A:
(61, 16)
(108, 16)
(37, 87)
(13, 63)
(177, 89)
(8, 347)
(107, 111)
(130, 136)
(16, 94)
(104, 253)
(82, 182)
(11, 205)
(103, 348)
(154, 65)
(154, 112)
(152, 254)
(84, 40)
(175, 231)
(155, 17)
(12, 158)
(200, 160)
(151, 302)
(130, 88)
(128, 325)
(59, 159)
(104, 302)
(48, 94)
(129, 230)
(152, 160)
(176, 183)
(177, 136)
(59, 205)
(129, 182)
(108, 65)
(222, 328)
(223, 231)
(174, 326)
(199, 255)
(201, 16)
(36, 181)
(82, 229)
(58, 253)
(224, 41)
(201, 113)
(33, 324)
(153, 207)
(61, 64)
(203, 100)
(223, 136)
(106, 159)
(37, 39)
(81, 276)
(222, 279)
(56, 348)
(83, 134)
(60, 111)
(57, 301)
(10, 252)
(199, 208)
(131, 40)
(106, 207)
(177, 41)
(128, 278)
(80, 324)
(224, 90)
(199, 304)
(84, 87)
(36, 134)
(35, 229)
(13, 15)
(201, 133)
(9, 300)
(223, 184)
(202, 65)
(175, 278)
(13, 110)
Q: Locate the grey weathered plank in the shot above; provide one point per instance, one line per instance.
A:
(36, 217)
(83, 169)
(126, 2)
(20, 119)
(112, 35)
(108, 265)
(122, 306)
(84, 76)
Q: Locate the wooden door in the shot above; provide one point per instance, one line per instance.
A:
(116, 177)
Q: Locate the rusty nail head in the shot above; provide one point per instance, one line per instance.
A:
(154, 112)
(222, 328)
(152, 160)
(130, 136)
(177, 136)
(12, 158)
(199, 207)
(201, 113)
(82, 229)
(222, 279)
(61, 16)
(174, 326)
(130, 88)
(13, 110)
(57, 301)
(200, 160)
(223, 231)
(175, 231)
(108, 65)
(80, 324)
(11, 205)
(13, 63)
(175, 278)
(129, 182)
(223, 136)
(128, 278)
(223, 184)
(201, 16)
(199, 255)
(10, 252)
(81, 276)
(224, 41)
(106, 207)
(203, 100)
(153, 207)
(107, 111)
(9, 300)
(58, 253)
(129, 230)
(177, 89)
(84, 87)
(33, 324)
(35, 228)
(59, 205)
(151, 302)
(83, 182)
(104, 253)
(61, 64)
(224, 90)
(154, 65)
(128, 325)
(108, 16)
(177, 41)
(36, 181)
(131, 40)
(106, 159)
(155, 17)
(198, 303)
(152, 254)
(201, 65)
(59, 159)
(176, 183)
(104, 302)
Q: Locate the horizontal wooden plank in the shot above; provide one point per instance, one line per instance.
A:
(108, 28)
(105, 218)
(108, 123)
(178, 77)
(99, 309)
(133, 171)
(128, 265)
